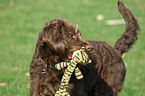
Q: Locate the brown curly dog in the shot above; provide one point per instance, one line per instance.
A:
(103, 77)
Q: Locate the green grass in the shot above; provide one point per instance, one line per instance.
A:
(22, 20)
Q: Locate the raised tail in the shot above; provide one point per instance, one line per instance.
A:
(131, 30)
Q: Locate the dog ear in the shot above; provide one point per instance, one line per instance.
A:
(53, 36)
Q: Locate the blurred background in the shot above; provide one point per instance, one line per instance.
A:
(22, 20)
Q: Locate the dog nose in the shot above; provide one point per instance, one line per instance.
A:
(89, 48)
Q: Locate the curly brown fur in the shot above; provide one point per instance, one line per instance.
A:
(103, 77)
(58, 39)
(129, 37)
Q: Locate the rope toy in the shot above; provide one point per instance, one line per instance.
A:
(79, 56)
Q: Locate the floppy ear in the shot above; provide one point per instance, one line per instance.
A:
(53, 36)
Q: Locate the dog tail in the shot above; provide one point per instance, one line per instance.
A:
(131, 31)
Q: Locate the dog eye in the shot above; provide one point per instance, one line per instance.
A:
(71, 36)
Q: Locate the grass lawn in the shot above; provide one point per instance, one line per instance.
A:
(22, 20)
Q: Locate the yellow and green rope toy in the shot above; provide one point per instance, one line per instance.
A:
(79, 56)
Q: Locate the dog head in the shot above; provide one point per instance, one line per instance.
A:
(61, 36)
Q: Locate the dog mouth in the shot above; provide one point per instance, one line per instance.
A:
(87, 48)
(69, 54)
